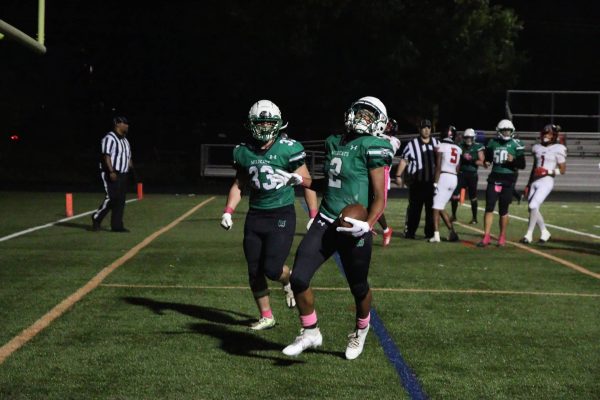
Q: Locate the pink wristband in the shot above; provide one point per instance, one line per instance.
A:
(228, 210)
(312, 213)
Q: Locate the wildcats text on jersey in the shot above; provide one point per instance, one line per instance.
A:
(260, 165)
(347, 164)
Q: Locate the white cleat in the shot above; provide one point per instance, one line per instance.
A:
(545, 236)
(528, 238)
(435, 238)
(356, 342)
(308, 339)
(263, 323)
(289, 296)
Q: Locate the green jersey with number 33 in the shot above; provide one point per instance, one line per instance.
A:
(500, 150)
(347, 166)
(259, 166)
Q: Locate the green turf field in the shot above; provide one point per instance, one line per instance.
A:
(171, 321)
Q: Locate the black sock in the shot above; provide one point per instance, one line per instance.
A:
(474, 209)
(454, 207)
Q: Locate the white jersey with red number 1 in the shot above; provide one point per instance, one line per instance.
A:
(549, 156)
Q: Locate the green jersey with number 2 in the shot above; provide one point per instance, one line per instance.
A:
(347, 166)
(259, 166)
(500, 150)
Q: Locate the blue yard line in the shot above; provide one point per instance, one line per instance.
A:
(408, 378)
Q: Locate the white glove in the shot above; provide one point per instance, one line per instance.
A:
(289, 179)
(310, 221)
(357, 229)
(226, 221)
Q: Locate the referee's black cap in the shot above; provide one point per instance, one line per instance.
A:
(120, 120)
(425, 123)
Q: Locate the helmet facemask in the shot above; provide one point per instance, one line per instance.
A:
(264, 121)
(546, 139)
(364, 118)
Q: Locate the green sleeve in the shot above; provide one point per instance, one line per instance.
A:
(379, 153)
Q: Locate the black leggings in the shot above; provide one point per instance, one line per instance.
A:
(268, 237)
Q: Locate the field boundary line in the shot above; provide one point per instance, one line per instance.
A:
(559, 260)
(560, 228)
(29, 333)
(342, 289)
(37, 228)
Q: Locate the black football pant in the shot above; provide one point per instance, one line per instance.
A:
(114, 201)
(420, 194)
(321, 242)
(268, 238)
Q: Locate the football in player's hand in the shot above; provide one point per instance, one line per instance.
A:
(356, 211)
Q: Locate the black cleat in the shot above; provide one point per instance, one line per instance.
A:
(453, 237)
(122, 230)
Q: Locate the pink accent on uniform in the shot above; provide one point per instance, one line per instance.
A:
(228, 210)
(498, 188)
(487, 239)
(266, 314)
(502, 240)
(362, 323)
(312, 213)
(308, 320)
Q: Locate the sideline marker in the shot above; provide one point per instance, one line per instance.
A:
(69, 205)
(140, 190)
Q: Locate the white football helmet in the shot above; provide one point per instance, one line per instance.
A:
(505, 129)
(367, 116)
(264, 120)
(469, 134)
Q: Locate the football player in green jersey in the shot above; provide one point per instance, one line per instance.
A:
(356, 162)
(506, 155)
(271, 220)
(472, 158)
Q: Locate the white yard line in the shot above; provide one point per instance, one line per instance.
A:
(37, 228)
(345, 289)
(550, 225)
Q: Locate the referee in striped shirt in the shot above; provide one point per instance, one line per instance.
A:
(418, 166)
(115, 163)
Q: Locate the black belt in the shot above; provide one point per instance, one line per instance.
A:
(451, 173)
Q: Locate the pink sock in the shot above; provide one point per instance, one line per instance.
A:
(267, 314)
(308, 320)
(362, 323)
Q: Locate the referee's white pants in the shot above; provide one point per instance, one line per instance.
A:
(445, 187)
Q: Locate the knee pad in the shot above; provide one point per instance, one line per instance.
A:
(360, 290)
(299, 284)
(273, 273)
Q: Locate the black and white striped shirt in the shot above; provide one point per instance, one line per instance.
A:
(119, 150)
(421, 159)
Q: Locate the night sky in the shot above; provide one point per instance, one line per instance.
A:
(186, 72)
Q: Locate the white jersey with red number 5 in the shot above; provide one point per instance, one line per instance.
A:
(450, 156)
(549, 156)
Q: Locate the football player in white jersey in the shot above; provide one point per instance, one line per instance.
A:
(445, 181)
(390, 130)
(549, 161)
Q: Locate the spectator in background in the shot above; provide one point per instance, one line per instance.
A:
(418, 167)
(115, 163)
(506, 155)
